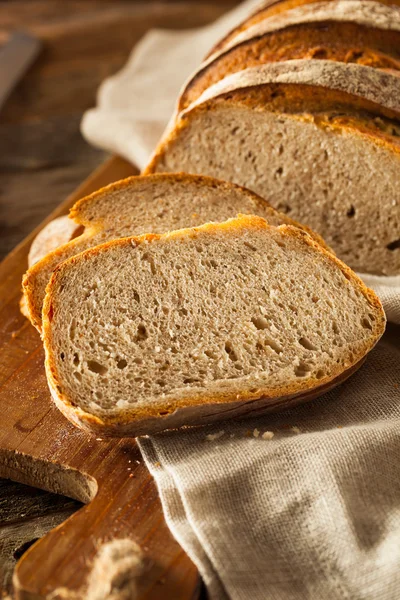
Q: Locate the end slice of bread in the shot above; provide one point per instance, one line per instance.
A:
(56, 233)
(159, 331)
(137, 205)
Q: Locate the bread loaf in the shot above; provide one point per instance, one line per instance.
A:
(160, 331)
(271, 8)
(357, 31)
(136, 205)
(319, 140)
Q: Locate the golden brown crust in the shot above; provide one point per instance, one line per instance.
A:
(302, 97)
(338, 41)
(272, 8)
(128, 421)
(77, 213)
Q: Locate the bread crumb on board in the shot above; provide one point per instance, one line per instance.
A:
(295, 429)
(267, 435)
(214, 436)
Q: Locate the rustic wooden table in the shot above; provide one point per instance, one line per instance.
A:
(43, 158)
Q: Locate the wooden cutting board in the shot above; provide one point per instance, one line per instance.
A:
(39, 447)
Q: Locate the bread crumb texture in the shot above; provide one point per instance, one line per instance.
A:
(220, 313)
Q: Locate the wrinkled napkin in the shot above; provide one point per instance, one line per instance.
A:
(301, 505)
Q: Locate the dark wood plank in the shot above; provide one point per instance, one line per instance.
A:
(26, 514)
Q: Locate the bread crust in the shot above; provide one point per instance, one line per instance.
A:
(193, 410)
(270, 8)
(78, 214)
(295, 35)
(304, 83)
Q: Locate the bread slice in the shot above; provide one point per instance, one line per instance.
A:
(319, 140)
(202, 324)
(271, 8)
(358, 31)
(56, 233)
(136, 205)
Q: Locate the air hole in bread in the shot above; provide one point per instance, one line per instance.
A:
(315, 299)
(307, 344)
(351, 212)
(77, 375)
(62, 356)
(189, 380)
(141, 332)
(136, 296)
(259, 322)
(302, 369)
(284, 208)
(394, 245)
(230, 351)
(76, 359)
(149, 259)
(122, 363)
(366, 324)
(335, 327)
(96, 367)
(280, 243)
(279, 171)
(320, 374)
(248, 245)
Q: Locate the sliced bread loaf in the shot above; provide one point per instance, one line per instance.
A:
(271, 8)
(357, 31)
(158, 203)
(319, 140)
(160, 331)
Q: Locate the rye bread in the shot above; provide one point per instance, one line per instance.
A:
(271, 8)
(161, 331)
(358, 31)
(137, 205)
(319, 140)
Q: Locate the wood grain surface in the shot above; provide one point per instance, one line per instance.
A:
(42, 154)
(43, 158)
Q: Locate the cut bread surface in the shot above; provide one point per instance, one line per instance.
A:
(278, 7)
(313, 139)
(137, 205)
(140, 328)
(353, 31)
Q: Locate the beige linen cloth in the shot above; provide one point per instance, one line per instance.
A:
(301, 505)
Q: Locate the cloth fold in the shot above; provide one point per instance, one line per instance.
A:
(312, 513)
(301, 505)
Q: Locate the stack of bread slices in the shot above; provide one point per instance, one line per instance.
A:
(181, 298)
